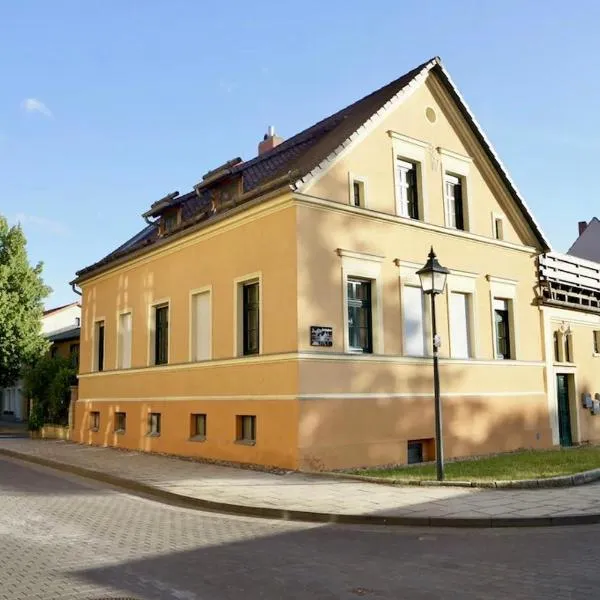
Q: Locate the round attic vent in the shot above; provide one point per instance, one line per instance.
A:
(431, 114)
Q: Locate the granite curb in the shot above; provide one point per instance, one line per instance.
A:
(575, 479)
(264, 512)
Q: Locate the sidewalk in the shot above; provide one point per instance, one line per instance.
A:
(311, 498)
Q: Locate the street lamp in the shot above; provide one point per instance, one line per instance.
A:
(433, 281)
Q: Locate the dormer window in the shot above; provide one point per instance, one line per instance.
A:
(169, 221)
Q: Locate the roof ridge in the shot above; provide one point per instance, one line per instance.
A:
(292, 141)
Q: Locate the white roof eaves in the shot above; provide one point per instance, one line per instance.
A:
(323, 165)
(416, 81)
(495, 156)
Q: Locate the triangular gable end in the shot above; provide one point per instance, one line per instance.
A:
(303, 184)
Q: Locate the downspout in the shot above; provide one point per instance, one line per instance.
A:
(73, 284)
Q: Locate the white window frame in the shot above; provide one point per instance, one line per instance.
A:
(352, 178)
(496, 217)
(402, 169)
(238, 317)
(504, 289)
(207, 289)
(95, 356)
(461, 282)
(363, 266)
(150, 357)
(410, 150)
(456, 165)
(118, 357)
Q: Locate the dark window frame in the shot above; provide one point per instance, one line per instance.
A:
(359, 303)
(250, 326)
(243, 423)
(100, 345)
(161, 334)
(74, 354)
(504, 349)
(196, 432)
(120, 419)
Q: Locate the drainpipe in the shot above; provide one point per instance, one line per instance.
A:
(78, 292)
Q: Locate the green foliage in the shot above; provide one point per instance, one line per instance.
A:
(22, 292)
(47, 382)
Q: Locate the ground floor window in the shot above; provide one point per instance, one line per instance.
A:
(120, 422)
(246, 429)
(94, 420)
(198, 426)
(154, 424)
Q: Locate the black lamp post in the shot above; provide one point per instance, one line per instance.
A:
(433, 281)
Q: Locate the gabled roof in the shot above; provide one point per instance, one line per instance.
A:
(587, 245)
(51, 311)
(297, 160)
(66, 333)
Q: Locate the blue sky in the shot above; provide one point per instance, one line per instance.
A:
(107, 105)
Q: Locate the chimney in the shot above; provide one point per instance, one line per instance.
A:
(582, 226)
(269, 141)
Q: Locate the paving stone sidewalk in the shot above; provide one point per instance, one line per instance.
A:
(318, 494)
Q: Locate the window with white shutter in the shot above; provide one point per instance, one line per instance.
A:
(413, 321)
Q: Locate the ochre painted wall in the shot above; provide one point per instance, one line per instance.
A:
(345, 410)
(276, 429)
(373, 159)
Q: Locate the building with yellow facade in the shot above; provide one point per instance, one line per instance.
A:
(273, 315)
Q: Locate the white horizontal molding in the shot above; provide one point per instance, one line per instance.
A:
(455, 155)
(360, 255)
(428, 395)
(324, 204)
(502, 280)
(307, 356)
(324, 396)
(407, 139)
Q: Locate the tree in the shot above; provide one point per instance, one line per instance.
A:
(22, 291)
(47, 382)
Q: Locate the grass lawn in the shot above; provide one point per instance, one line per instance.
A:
(528, 464)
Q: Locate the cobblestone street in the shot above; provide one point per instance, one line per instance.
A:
(62, 537)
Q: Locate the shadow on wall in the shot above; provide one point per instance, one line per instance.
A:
(355, 431)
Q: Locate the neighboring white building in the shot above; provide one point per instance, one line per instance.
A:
(587, 245)
(12, 400)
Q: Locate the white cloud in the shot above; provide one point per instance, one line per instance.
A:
(32, 105)
(43, 223)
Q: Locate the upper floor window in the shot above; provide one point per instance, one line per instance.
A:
(201, 326)
(407, 196)
(498, 228)
(74, 355)
(460, 325)
(413, 321)
(251, 318)
(596, 342)
(453, 193)
(99, 346)
(161, 335)
(124, 341)
(360, 322)
(502, 323)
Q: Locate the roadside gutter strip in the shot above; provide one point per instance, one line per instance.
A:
(143, 489)
(524, 484)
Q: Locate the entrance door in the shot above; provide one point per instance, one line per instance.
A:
(564, 413)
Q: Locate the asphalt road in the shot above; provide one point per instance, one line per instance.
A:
(64, 538)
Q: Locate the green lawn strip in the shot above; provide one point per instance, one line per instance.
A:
(528, 464)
